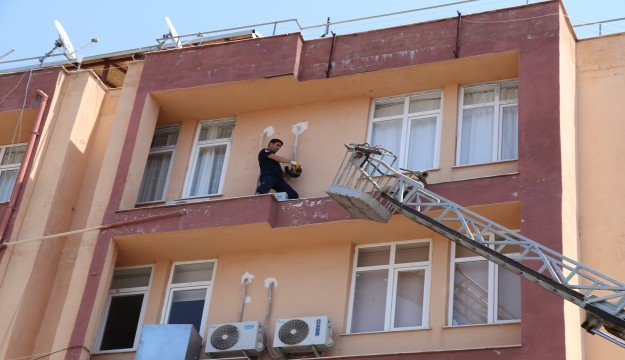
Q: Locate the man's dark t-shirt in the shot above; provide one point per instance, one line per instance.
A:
(268, 166)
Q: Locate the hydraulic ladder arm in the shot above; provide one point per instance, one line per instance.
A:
(369, 187)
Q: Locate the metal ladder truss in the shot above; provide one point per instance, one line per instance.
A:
(369, 187)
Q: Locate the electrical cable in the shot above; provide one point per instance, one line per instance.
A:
(270, 349)
(15, 87)
(58, 351)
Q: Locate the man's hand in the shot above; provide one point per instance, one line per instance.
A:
(295, 164)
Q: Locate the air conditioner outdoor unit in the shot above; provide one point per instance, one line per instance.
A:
(306, 334)
(234, 340)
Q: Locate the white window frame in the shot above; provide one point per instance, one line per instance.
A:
(393, 269)
(493, 281)
(161, 150)
(9, 167)
(407, 118)
(145, 290)
(172, 288)
(498, 106)
(197, 145)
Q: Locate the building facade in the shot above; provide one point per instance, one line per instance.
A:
(131, 202)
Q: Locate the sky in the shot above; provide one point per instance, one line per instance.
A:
(27, 27)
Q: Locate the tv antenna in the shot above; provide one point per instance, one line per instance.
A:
(7, 54)
(173, 34)
(64, 42)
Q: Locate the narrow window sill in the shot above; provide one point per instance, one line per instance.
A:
(387, 331)
(480, 325)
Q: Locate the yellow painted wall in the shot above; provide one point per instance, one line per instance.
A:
(334, 111)
(568, 143)
(313, 268)
(600, 109)
(48, 206)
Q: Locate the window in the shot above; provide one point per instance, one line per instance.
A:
(188, 294)
(209, 157)
(11, 157)
(410, 127)
(158, 166)
(123, 312)
(488, 130)
(482, 292)
(390, 287)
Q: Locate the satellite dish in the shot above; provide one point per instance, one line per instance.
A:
(173, 33)
(64, 39)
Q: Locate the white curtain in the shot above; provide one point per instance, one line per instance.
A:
(387, 134)
(409, 298)
(509, 133)
(369, 305)
(154, 177)
(477, 136)
(208, 168)
(422, 144)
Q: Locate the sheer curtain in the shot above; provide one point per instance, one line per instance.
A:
(211, 157)
(154, 177)
(422, 143)
(387, 134)
(477, 136)
(509, 133)
(158, 164)
(207, 175)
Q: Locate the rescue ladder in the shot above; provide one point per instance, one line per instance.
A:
(369, 187)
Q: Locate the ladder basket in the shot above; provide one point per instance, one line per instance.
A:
(365, 174)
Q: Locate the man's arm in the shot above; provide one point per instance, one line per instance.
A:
(284, 160)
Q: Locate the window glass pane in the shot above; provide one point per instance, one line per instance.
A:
(509, 92)
(369, 306)
(478, 95)
(187, 307)
(412, 252)
(509, 132)
(422, 143)
(418, 104)
(196, 272)
(477, 136)
(372, 256)
(208, 168)
(7, 181)
(130, 278)
(508, 295)
(155, 177)
(387, 134)
(462, 252)
(164, 137)
(470, 301)
(121, 322)
(507, 248)
(13, 155)
(216, 130)
(409, 298)
(388, 108)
